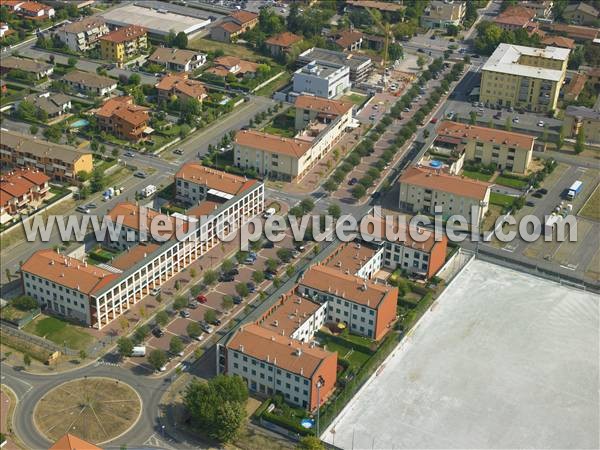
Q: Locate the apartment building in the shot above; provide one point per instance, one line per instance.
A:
(327, 80)
(320, 124)
(120, 117)
(441, 14)
(558, 41)
(505, 150)
(21, 191)
(225, 65)
(38, 69)
(97, 295)
(90, 83)
(195, 183)
(524, 77)
(581, 13)
(381, 6)
(35, 11)
(515, 18)
(233, 25)
(83, 35)
(123, 43)
(282, 43)
(179, 85)
(270, 363)
(366, 307)
(348, 40)
(577, 117)
(578, 33)
(421, 190)
(360, 65)
(59, 162)
(178, 60)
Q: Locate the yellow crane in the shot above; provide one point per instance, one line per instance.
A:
(385, 28)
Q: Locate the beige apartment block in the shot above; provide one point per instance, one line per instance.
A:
(524, 77)
(504, 149)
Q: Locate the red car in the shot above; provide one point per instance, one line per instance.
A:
(434, 120)
(201, 298)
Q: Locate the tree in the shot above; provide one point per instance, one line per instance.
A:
(157, 359)
(334, 210)
(228, 421)
(271, 264)
(179, 303)
(33, 129)
(472, 117)
(395, 52)
(561, 140)
(284, 254)
(134, 79)
(72, 61)
(115, 153)
(26, 359)
(210, 316)
(181, 40)
(177, 285)
(193, 273)
(307, 205)
(451, 30)
(420, 61)
(580, 141)
(193, 330)
(358, 191)
(82, 355)
(162, 318)
(175, 345)
(242, 289)
(124, 346)
(258, 276)
(141, 333)
(24, 303)
(227, 302)
(227, 265)
(289, 270)
(330, 186)
(97, 180)
(310, 443)
(508, 124)
(210, 277)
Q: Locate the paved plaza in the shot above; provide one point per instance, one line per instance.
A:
(502, 360)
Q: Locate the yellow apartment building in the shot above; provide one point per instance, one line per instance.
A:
(123, 43)
(524, 77)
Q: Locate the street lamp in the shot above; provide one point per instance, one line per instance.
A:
(320, 384)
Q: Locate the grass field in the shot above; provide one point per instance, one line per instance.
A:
(357, 99)
(356, 358)
(282, 125)
(476, 175)
(60, 332)
(229, 49)
(274, 86)
(591, 209)
(511, 182)
(501, 199)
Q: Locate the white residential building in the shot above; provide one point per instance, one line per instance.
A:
(83, 35)
(327, 80)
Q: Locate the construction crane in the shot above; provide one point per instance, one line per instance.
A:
(385, 28)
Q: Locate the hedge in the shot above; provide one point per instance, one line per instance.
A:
(287, 423)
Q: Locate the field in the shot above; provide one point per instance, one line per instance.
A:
(345, 349)
(511, 182)
(283, 124)
(591, 209)
(60, 332)
(476, 175)
(240, 51)
(94, 409)
(501, 199)
(357, 99)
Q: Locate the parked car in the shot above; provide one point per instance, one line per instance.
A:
(269, 276)
(234, 271)
(225, 277)
(540, 123)
(216, 322)
(83, 209)
(201, 298)
(530, 203)
(251, 286)
(129, 154)
(155, 291)
(542, 191)
(91, 206)
(193, 304)
(157, 332)
(184, 313)
(268, 244)
(516, 119)
(139, 174)
(178, 151)
(207, 328)
(537, 195)
(237, 299)
(372, 117)
(352, 181)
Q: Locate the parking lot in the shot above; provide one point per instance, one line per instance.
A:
(213, 301)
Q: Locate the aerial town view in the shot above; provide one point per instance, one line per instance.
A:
(299, 224)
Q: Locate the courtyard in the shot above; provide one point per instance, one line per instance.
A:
(501, 360)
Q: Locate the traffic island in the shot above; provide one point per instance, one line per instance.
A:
(95, 409)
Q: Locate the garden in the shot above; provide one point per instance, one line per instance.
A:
(283, 124)
(60, 332)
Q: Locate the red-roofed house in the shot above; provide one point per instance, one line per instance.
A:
(282, 42)
(233, 25)
(70, 442)
(21, 190)
(349, 40)
(35, 11)
(515, 17)
(121, 117)
(179, 85)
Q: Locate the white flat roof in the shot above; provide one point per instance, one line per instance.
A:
(157, 21)
(503, 360)
(506, 56)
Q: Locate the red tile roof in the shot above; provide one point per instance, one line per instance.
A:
(285, 39)
(123, 108)
(214, 179)
(243, 17)
(559, 41)
(347, 38)
(70, 442)
(271, 143)
(323, 105)
(125, 34)
(440, 181)
(230, 27)
(515, 15)
(465, 131)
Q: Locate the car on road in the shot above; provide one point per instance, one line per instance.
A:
(516, 119)
(352, 181)
(157, 332)
(540, 123)
(237, 299)
(434, 120)
(140, 174)
(537, 195)
(226, 277)
(498, 115)
(184, 313)
(83, 209)
(420, 50)
(129, 154)
(542, 191)
(178, 151)
(372, 117)
(376, 107)
(201, 298)
(510, 109)
(91, 206)
(530, 203)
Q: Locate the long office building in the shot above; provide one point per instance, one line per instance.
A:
(360, 65)
(524, 77)
(98, 294)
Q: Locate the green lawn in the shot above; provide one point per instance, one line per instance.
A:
(356, 358)
(60, 332)
(515, 183)
(591, 209)
(476, 175)
(282, 125)
(501, 199)
(240, 51)
(357, 99)
(275, 85)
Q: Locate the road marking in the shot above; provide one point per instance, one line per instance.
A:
(29, 386)
(570, 266)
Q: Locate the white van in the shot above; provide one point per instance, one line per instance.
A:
(149, 190)
(269, 212)
(139, 351)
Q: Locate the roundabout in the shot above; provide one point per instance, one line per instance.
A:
(95, 409)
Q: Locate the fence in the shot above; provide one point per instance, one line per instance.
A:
(35, 340)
